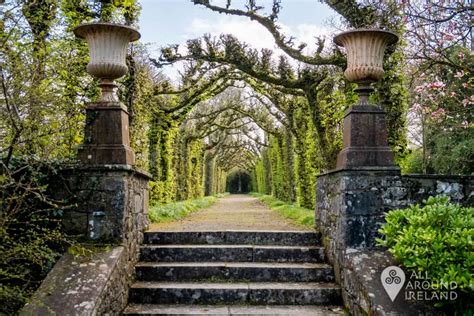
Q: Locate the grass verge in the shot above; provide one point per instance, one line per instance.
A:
(299, 215)
(162, 213)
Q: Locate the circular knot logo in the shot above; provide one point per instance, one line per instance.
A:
(393, 279)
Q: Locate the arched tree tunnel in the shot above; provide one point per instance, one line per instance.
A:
(229, 116)
(239, 181)
(278, 119)
(241, 136)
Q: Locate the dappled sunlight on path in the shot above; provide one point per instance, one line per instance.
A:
(233, 212)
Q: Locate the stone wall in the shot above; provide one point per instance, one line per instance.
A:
(459, 188)
(112, 208)
(350, 209)
(112, 203)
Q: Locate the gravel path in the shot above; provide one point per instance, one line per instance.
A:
(233, 212)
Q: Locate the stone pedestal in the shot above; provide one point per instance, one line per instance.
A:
(107, 140)
(111, 203)
(351, 204)
(111, 208)
(365, 139)
(350, 208)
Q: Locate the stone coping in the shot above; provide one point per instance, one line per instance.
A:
(439, 176)
(125, 168)
(387, 170)
(107, 106)
(363, 286)
(75, 285)
(364, 108)
(396, 169)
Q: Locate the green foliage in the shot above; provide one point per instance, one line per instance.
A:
(44, 90)
(31, 239)
(412, 162)
(238, 181)
(13, 298)
(86, 252)
(260, 179)
(442, 111)
(137, 89)
(307, 158)
(435, 239)
(161, 141)
(452, 152)
(336, 95)
(393, 97)
(177, 210)
(263, 174)
(280, 169)
(299, 215)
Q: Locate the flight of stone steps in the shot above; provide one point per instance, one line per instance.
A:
(233, 272)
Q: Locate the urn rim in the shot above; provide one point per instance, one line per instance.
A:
(80, 30)
(392, 36)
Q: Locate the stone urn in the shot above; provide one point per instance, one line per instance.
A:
(108, 45)
(365, 131)
(365, 50)
(107, 136)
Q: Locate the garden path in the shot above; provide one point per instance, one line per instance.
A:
(233, 212)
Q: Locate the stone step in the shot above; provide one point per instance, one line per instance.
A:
(235, 293)
(235, 237)
(234, 271)
(306, 310)
(230, 253)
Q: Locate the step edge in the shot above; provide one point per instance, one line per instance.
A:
(237, 285)
(138, 308)
(236, 231)
(263, 265)
(223, 246)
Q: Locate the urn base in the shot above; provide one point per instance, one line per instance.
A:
(107, 138)
(106, 155)
(365, 139)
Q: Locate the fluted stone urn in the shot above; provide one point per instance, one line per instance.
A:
(365, 50)
(107, 139)
(365, 132)
(108, 45)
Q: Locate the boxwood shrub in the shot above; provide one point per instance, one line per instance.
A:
(436, 239)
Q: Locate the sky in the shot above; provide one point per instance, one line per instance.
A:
(164, 22)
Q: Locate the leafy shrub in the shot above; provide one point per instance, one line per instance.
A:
(413, 162)
(435, 239)
(31, 239)
(453, 152)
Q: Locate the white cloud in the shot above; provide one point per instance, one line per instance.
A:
(247, 31)
(251, 33)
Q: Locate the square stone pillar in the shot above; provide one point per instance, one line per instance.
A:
(110, 194)
(365, 139)
(353, 199)
(350, 209)
(107, 135)
(111, 203)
